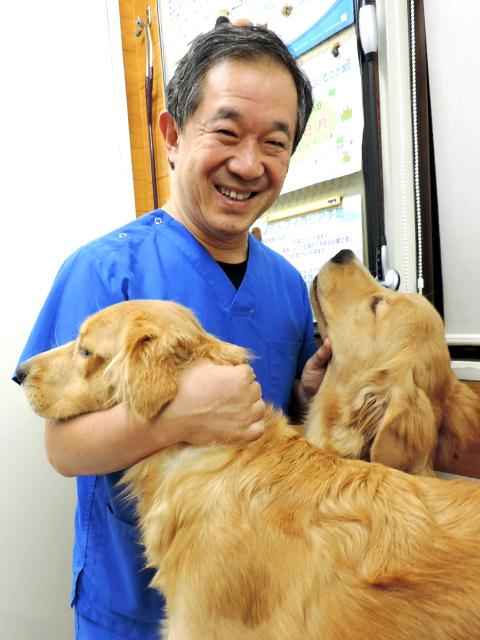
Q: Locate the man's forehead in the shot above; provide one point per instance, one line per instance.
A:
(246, 66)
(245, 76)
(231, 86)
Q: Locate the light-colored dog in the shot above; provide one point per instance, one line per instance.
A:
(275, 539)
(389, 394)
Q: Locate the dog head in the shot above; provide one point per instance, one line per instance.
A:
(389, 394)
(130, 352)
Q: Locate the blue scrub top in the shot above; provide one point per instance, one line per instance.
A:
(155, 257)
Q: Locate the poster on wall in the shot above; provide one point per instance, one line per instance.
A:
(332, 143)
(311, 239)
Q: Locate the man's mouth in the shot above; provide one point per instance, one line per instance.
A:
(237, 196)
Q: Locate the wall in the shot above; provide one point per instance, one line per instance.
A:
(454, 70)
(66, 178)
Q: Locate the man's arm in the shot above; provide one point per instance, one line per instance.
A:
(214, 403)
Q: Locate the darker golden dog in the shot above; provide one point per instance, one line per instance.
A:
(389, 394)
(274, 539)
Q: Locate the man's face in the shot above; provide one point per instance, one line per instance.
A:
(232, 155)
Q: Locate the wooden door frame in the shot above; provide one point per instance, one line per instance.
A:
(134, 54)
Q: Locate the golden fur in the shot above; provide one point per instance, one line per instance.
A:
(389, 394)
(274, 539)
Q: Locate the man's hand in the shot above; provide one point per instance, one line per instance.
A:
(242, 22)
(308, 385)
(314, 369)
(214, 403)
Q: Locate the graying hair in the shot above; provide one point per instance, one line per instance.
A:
(184, 91)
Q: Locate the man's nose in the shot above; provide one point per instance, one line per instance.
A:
(247, 161)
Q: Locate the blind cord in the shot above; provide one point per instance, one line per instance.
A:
(416, 161)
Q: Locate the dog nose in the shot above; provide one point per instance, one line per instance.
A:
(343, 256)
(20, 374)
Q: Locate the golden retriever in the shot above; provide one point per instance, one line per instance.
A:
(274, 539)
(389, 394)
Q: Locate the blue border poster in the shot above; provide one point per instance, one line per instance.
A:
(338, 17)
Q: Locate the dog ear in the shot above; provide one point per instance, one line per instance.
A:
(151, 361)
(406, 437)
(460, 424)
(225, 353)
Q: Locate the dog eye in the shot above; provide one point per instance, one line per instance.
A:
(84, 352)
(374, 302)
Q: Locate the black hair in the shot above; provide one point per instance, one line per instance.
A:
(253, 43)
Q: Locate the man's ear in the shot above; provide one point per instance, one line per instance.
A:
(170, 132)
(406, 438)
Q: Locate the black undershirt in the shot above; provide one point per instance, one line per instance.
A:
(234, 272)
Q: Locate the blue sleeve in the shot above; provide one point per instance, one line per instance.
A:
(80, 289)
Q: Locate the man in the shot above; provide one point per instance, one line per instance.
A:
(237, 108)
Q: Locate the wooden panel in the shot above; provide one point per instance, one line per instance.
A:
(134, 53)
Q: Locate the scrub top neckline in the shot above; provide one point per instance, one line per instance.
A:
(239, 300)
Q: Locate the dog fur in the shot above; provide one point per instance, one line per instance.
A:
(389, 394)
(275, 539)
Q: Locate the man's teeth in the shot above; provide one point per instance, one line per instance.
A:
(234, 194)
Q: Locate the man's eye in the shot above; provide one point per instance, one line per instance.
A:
(277, 143)
(226, 132)
(85, 353)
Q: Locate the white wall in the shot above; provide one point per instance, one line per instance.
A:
(65, 178)
(454, 69)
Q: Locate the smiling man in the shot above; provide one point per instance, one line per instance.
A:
(237, 108)
(231, 156)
